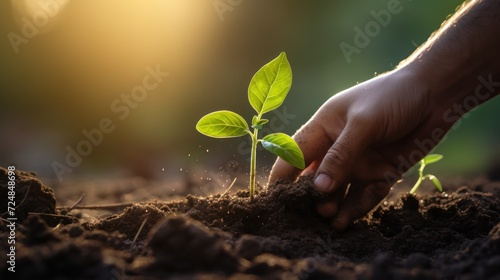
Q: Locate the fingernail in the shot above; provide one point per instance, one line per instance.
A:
(323, 182)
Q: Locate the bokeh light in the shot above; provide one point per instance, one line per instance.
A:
(78, 57)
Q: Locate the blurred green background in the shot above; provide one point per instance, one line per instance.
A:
(65, 62)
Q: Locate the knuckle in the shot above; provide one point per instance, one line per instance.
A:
(337, 156)
(361, 117)
(364, 119)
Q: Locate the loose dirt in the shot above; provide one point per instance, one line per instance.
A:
(277, 236)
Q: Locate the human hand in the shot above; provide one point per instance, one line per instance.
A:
(363, 139)
(356, 141)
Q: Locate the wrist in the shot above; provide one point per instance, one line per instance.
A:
(461, 60)
(462, 82)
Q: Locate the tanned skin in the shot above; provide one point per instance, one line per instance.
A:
(361, 141)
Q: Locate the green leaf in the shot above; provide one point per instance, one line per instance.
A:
(428, 159)
(270, 85)
(222, 124)
(436, 182)
(285, 147)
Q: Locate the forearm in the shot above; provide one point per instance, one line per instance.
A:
(462, 58)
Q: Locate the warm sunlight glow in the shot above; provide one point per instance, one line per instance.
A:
(102, 48)
(40, 14)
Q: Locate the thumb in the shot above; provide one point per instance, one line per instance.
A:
(334, 171)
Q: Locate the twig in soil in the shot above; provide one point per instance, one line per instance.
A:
(57, 227)
(230, 186)
(53, 216)
(25, 196)
(49, 215)
(76, 203)
(139, 231)
(110, 206)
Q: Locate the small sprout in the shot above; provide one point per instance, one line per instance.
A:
(266, 92)
(432, 158)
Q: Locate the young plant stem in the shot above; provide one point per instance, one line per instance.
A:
(253, 162)
(420, 177)
(266, 92)
(415, 187)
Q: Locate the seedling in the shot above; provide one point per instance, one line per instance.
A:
(266, 92)
(432, 158)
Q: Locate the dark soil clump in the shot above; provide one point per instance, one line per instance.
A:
(276, 236)
(283, 209)
(130, 221)
(196, 248)
(31, 196)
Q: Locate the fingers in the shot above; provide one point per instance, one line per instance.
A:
(333, 172)
(282, 170)
(329, 208)
(311, 169)
(358, 202)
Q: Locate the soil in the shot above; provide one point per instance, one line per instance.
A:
(453, 235)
